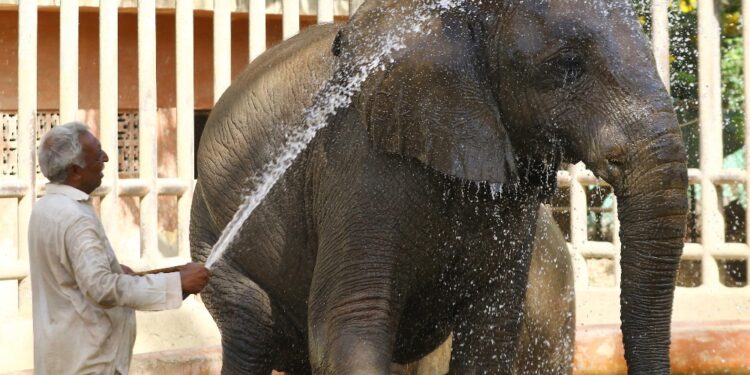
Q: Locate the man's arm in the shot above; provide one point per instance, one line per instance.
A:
(127, 270)
(93, 273)
(193, 276)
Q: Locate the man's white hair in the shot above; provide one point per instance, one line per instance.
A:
(59, 149)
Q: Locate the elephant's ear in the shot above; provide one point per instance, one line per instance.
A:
(433, 103)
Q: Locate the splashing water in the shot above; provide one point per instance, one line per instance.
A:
(331, 98)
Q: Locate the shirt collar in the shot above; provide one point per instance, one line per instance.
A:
(66, 190)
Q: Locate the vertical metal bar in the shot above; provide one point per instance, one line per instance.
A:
(354, 5)
(185, 119)
(578, 223)
(147, 123)
(616, 242)
(222, 47)
(68, 60)
(257, 24)
(108, 105)
(27, 102)
(709, 90)
(290, 18)
(660, 37)
(325, 11)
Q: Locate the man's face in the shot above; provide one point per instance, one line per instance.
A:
(90, 177)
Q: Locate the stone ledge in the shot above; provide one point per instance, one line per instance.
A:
(194, 361)
(697, 348)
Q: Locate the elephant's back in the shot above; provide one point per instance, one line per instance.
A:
(248, 125)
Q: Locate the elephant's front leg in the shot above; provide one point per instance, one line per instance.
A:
(353, 307)
(488, 323)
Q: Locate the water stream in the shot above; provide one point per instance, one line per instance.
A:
(334, 95)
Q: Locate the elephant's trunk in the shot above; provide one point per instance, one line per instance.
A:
(653, 200)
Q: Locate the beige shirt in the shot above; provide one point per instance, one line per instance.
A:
(83, 304)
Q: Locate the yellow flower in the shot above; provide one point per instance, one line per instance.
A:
(687, 6)
(733, 18)
(732, 24)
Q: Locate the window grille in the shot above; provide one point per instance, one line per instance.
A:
(127, 141)
(9, 124)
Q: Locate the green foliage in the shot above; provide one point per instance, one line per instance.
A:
(732, 94)
(683, 19)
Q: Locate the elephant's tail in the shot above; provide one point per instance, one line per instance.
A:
(203, 234)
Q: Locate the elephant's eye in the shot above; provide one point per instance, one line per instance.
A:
(563, 69)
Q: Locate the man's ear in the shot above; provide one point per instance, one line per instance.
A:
(73, 173)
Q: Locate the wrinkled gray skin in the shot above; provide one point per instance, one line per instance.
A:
(383, 236)
(547, 335)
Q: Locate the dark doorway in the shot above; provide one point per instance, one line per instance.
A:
(201, 117)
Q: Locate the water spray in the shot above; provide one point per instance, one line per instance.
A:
(337, 96)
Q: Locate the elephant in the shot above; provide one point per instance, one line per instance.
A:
(411, 215)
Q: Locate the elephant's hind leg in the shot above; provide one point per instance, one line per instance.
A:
(240, 307)
(242, 311)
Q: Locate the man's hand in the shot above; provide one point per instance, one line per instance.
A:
(127, 270)
(194, 276)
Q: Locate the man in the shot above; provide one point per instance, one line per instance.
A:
(83, 299)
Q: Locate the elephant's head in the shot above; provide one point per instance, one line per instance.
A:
(481, 86)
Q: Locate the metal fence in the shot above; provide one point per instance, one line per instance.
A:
(709, 299)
